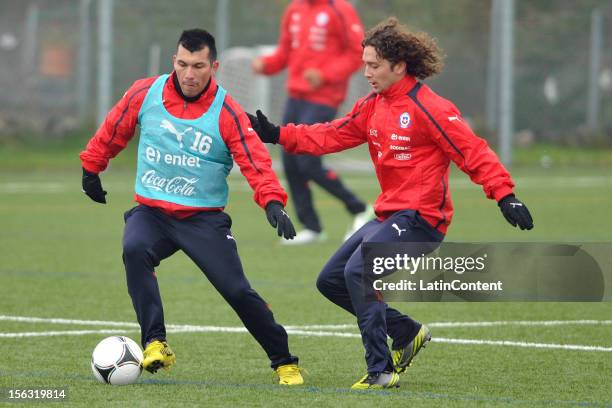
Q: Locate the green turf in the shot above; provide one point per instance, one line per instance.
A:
(61, 257)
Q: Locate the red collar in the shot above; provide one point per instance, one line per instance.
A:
(400, 88)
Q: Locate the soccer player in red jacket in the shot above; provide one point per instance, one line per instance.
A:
(191, 131)
(320, 44)
(412, 134)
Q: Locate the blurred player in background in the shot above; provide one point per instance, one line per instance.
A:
(412, 134)
(320, 44)
(190, 130)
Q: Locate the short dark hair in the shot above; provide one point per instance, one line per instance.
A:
(396, 43)
(196, 39)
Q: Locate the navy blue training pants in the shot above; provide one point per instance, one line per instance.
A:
(341, 281)
(302, 168)
(151, 236)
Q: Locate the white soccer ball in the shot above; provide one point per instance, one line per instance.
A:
(117, 360)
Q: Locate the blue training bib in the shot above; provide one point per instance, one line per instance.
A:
(182, 161)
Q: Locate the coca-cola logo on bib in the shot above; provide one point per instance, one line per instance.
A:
(176, 185)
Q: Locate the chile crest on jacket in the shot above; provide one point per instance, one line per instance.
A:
(404, 120)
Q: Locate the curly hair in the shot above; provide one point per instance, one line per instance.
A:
(396, 43)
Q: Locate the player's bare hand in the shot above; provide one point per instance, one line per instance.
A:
(257, 65)
(314, 77)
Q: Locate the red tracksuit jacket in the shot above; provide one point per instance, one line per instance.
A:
(246, 148)
(412, 134)
(321, 34)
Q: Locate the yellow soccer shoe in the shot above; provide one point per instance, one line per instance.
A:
(378, 381)
(158, 355)
(289, 374)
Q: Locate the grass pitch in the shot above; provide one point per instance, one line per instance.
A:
(61, 258)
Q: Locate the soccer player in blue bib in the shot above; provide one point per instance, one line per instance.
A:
(191, 132)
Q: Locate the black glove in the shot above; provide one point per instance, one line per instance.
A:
(268, 132)
(93, 187)
(515, 212)
(278, 218)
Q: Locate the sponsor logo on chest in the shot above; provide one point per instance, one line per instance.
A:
(402, 156)
(393, 139)
(318, 32)
(402, 138)
(182, 186)
(200, 143)
(294, 30)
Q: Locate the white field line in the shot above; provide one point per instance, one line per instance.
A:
(302, 331)
(470, 324)
(52, 320)
(521, 323)
(306, 333)
(522, 344)
(322, 327)
(33, 187)
(508, 343)
(26, 319)
(61, 333)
